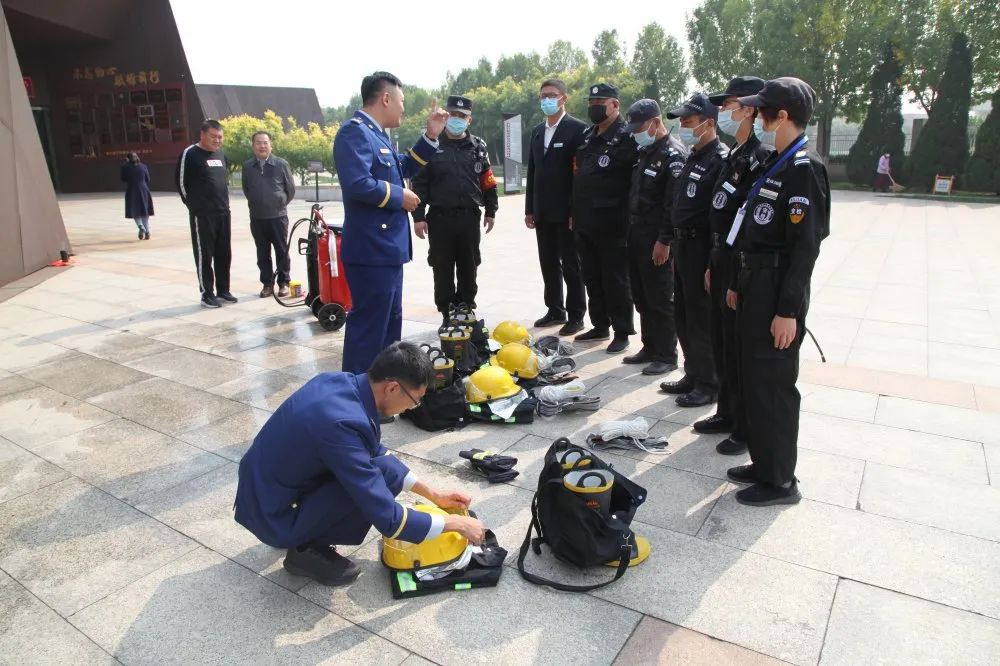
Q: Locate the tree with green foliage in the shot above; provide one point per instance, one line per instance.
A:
(608, 53)
(562, 57)
(238, 133)
(923, 31)
(943, 144)
(831, 44)
(882, 131)
(520, 67)
(658, 65)
(722, 42)
(983, 172)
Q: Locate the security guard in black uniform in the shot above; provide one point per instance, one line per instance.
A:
(738, 174)
(601, 184)
(650, 200)
(786, 216)
(691, 248)
(456, 182)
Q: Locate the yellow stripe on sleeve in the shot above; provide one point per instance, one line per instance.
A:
(388, 194)
(420, 160)
(402, 524)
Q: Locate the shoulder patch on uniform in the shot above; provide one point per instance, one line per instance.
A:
(801, 162)
(801, 200)
(802, 153)
(356, 121)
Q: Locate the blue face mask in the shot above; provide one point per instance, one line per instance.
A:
(687, 135)
(550, 105)
(457, 126)
(767, 137)
(758, 131)
(727, 124)
(643, 139)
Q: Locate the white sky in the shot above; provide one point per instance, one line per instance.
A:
(330, 45)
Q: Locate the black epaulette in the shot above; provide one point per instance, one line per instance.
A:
(801, 157)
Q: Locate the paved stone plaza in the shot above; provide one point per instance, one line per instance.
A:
(125, 407)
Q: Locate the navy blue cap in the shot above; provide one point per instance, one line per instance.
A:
(788, 93)
(642, 112)
(459, 103)
(603, 91)
(697, 105)
(741, 86)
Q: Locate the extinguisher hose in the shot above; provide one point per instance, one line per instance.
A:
(274, 278)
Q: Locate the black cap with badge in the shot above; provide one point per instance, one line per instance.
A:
(741, 86)
(603, 91)
(642, 112)
(459, 103)
(697, 105)
(793, 95)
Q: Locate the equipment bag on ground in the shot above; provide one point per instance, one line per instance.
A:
(440, 410)
(581, 530)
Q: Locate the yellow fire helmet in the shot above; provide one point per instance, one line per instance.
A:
(489, 383)
(445, 548)
(511, 331)
(517, 359)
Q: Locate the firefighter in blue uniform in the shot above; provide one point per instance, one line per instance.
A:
(317, 475)
(376, 241)
(778, 232)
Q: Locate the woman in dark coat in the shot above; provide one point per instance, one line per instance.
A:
(138, 200)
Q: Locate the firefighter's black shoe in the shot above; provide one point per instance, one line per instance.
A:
(731, 447)
(682, 385)
(228, 297)
(210, 301)
(550, 319)
(618, 344)
(323, 564)
(571, 327)
(761, 494)
(713, 424)
(659, 368)
(743, 474)
(695, 398)
(593, 334)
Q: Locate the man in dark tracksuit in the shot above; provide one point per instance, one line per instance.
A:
(269, 188)
(650, 200)
(202, 179)
(738, 174)
(600, 217)
(787, 215)
(691, 248)
(456, 182)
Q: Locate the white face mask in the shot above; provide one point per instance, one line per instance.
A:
(728, 124)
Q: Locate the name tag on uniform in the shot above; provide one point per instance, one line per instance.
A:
(727, 186)
(694, 176)
(768, 194)
(214, 163)
(384, 151)
(557, 145)
(737, 223)
(649, 172)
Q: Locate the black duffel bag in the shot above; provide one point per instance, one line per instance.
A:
(574, 531)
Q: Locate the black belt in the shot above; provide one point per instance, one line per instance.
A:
(687, 233)
(453, 212)
(763, 259)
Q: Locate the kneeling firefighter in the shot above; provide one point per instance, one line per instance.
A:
(317, 475)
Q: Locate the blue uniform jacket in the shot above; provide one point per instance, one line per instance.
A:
(371, 173)
(318, 472)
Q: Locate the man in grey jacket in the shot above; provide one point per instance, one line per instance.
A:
(269, 187)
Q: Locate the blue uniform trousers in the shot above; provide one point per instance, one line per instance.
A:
(376, 317)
